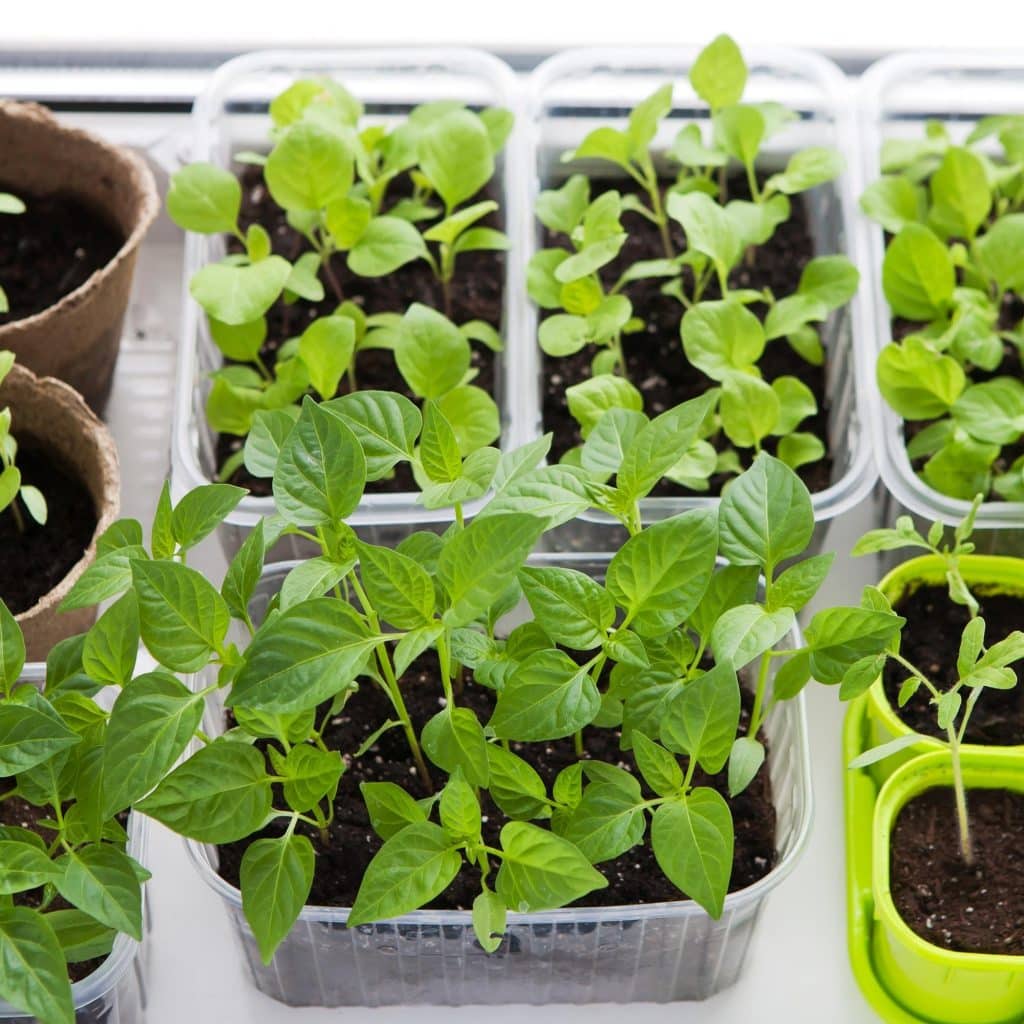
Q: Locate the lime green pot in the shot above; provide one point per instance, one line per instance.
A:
(933, 983)
(985, 574)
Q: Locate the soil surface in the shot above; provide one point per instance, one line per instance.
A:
(51, 249)
(977, 908)
(633, 878)
(655, 359)
(476, 293)
(34, 562)
(931, 641)
(17, 812)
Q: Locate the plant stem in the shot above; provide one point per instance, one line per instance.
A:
(762, 688)
(577, 742)
(658, 209)
(966, 847)
(19, 519)
(332, 279)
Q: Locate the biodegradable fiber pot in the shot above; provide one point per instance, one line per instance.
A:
(77, 339)
(998, 574)
(56, 417)
(933, 983)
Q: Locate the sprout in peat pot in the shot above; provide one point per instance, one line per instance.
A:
(952, 274)
(9, 204)
(597, 280)
(312, 292)
(12, 491)
(69, 772)
(978, 667)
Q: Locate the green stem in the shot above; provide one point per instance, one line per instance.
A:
(762, 689)
(966, 847)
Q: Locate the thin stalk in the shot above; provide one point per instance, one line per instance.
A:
(577, 742)
(762, 689)
(19, 519)
(960, 793)
(332, 278)
(658, 209)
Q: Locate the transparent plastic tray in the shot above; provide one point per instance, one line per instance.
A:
(115, 993)
(896, 96)
(652, 953)
(231, 115)
(578, 90)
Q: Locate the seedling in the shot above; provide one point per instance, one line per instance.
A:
(332, 175)
(12, 490)
(8, 204)
(79, 768)
(951, 267)
(723, 338)
(978, 667)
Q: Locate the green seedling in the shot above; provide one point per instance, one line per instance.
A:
(12, 491)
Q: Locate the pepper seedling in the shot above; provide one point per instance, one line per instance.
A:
(723, 338)
(978, 667)
(12, 490)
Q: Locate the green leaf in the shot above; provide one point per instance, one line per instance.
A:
(35, 975)
(476, 563)
(455, 154)
(239, 293)
(387, 244)
(347, 220)
(385, 424)
(12, 649)
(577, 611)
(791, 314)
(112, 644)
(326, 348)
(722, 338)
(962, 467)
(204, 198)
(799, 583)
(321, 470)
(202, 510)
(276, 876)
(514, 785)
(747, 631)
(745, 760)
(311, 775)
(894, 201)
(590, 258)
(562, 209)
(551, 494)
(267, 435)
(80, 936)
(749, 410)
(541, 284)
(220, 794)
(839, 637)
(460, 808)
(708, 228)
(399, 589)
(702, 720)
(30, 736)
(409, 870)
(183, 619)
(961, 197)
(607, 822)
(312, 578)
(659, 768)
(433, 355)
(719, 74)
(765, 515)
(151, 725)
(306, 655)
(243, 574)
(999, 250)
(730, 586)
(390, 808)
(454, 738)
(25, 867)
(547, 697)
(660, 575)
(645, 117)
(439, 447)
(592, 398)
(540, 871)
(693, 844)
(739, 130)
(604, 143)
(917, 381)
(918, 276)
(102, 881)
(992, 411)
(472, 415)
(308, 168)
(806, 169)
(489, 920)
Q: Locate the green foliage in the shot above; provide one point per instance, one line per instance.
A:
(591, 308)
(15, 496)
(951, 267)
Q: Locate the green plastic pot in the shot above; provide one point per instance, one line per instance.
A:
(933, 983)
(992, 574)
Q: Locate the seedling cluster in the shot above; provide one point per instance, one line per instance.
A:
(15, 495)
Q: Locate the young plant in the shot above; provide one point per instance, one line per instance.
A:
(978, 667)
(722, 338)
(67, 885)
(953, 268)
(331, 176)
(9, 204)
(12, 490)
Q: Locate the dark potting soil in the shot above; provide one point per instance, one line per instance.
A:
(633, 878)
(476, 293)
(34, 562)
(977, 908)
(21, 814)
(51, 249)
(655, 359)
(931, 641)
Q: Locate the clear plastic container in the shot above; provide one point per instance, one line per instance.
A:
(897, 96)
(652, 953)
(578, 90)
(231, 115)
(115, 993)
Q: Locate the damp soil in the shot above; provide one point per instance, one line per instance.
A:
(476, 293)
(931, 641)
(655, 360)
(977, 908)
(33, 562)
(19, 813)
(51, 249)
(633, 878)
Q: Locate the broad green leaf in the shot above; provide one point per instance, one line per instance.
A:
(472, 415)
(202, 510)
(592, 398)
(81, 937)
(239, 293)
(326, 347)
(385, 424)
(433, 355)
(269, 431)
(12, 649)
(562, 209)
(806, 169)
(719, 74)
(243, 574)
(308, 168)
(747, 631)
(456, 156)
(799, 583)
(489, 920)
(453, 739)
(540, 870)
(693, 844)
(739, 129)
(30, 736)
(838, 637)
(312, 578)
(607, 822)
(276, 876)
(659, 768)
(460, 808)
(102, 881)
(514, 784)
(745, 760)
(992, 411)
(918, 382)
(961, 197)
(306, 655)
(645, 117)
(999, 250)
(609, 440)
(35, 974)
(962, 467)
(577, 611)
(400, 590)
(749, 410)
(204, 198)
(221, 794)
(792, 314)
(708, 228)
(439, 447)
(112, 644)
(894, 202)
(387, 244)
(390, 808)
(702, 720)
(183, 619)
(551, 494)
(918, 275)
(722, 338)
(24, 866)
(730, 586)
(310, 774)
